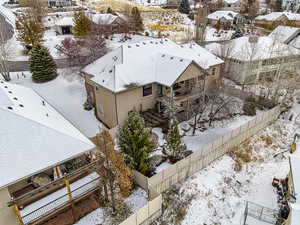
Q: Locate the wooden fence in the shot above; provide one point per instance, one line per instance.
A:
(206, 154)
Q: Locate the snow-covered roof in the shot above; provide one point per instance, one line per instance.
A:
(295, 167)
(231, 1)
(276, 15)
(104, 19)
(59, 20)
(264, 48)
(65, 21)
(149, 61)
(295, 42)
(217, 15)
(295, 214)
(284, 33)
(34, 136)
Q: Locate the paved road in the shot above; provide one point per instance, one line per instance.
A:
(6, 28)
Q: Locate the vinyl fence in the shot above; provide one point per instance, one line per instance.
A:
(148, 213)
(207, 154)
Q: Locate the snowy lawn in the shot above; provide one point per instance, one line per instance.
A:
(135, 201)
(67, 94)
(219, 191)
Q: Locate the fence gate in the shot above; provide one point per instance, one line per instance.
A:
(259, 212)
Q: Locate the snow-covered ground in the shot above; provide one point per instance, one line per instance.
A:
(135, 201)
(221, 191)
(67, 94)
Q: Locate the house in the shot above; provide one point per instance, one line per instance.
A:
(234, 5)
(287, 35)
(251, 58)
(59, 3)
(62, 23)
(274, 19)
(115, 22)
(144, 75)
(35, 142)
(225, 18)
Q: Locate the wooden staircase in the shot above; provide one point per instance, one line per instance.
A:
(153, 119)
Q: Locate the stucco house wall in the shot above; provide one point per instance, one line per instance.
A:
(7, 215)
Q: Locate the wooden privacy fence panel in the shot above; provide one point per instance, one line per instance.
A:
(210, 152)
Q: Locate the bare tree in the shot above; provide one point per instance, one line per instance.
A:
(5, 51)
(38, 8)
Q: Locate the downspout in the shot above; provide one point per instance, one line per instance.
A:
(116, 106)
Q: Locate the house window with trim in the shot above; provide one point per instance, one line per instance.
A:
(147, 90)
(213, 72)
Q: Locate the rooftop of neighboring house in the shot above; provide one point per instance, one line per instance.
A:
(217, 15)
(231, 1)
(161, 61)
(287, 35)
(284, 33)
(263, 48)
(60, 19)
(276, 15)
(104, 19)
(34, 136)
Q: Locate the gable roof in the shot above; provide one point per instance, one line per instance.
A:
(103, 19)
(34, 136)
(161, 61)
(217, 15)
(276, 15)
(284, 34)
(264, 48)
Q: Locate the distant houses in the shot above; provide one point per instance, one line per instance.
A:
(36, 143)
(274, 19)
(142, 76)
(287, 35)
(225, 18)
(251, 58)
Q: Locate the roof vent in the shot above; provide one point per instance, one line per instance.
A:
(110, 71)
(5, 87)
(103, 81)
(129, 46)
(137, 45)
(151, 42)
(15, 98)
(163, 55)
(9, 92)
(172, 57)
(144, 43)
(181, 46)
(21, 105)
(156, 42)
(166, 39)
(181, 60)
(47, 114)
(2, 82)
(10, 108)
(115, 58)
(43, 102)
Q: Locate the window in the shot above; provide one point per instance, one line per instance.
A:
(147, 90)
(213, 71)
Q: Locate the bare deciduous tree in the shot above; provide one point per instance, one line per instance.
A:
(5, 51)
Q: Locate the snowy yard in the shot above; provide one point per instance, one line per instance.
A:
(220, 191)
(67, 94)
(135, 201)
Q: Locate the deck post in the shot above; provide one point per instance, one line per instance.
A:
(69, 189)
(17, 211)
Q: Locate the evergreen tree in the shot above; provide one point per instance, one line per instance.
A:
(110, 11)
(42, 65)
(137, 19)
(175, 148)
(82, 24)
(135, 143)
(184, 7)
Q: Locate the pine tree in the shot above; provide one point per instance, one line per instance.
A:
(137, 19)
(110, 11)
(42, 65)
(174, 148)
(135, 143)
(184, 7)
(82, 24)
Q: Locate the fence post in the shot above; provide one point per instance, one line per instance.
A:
(17, 211)
(68, 189)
